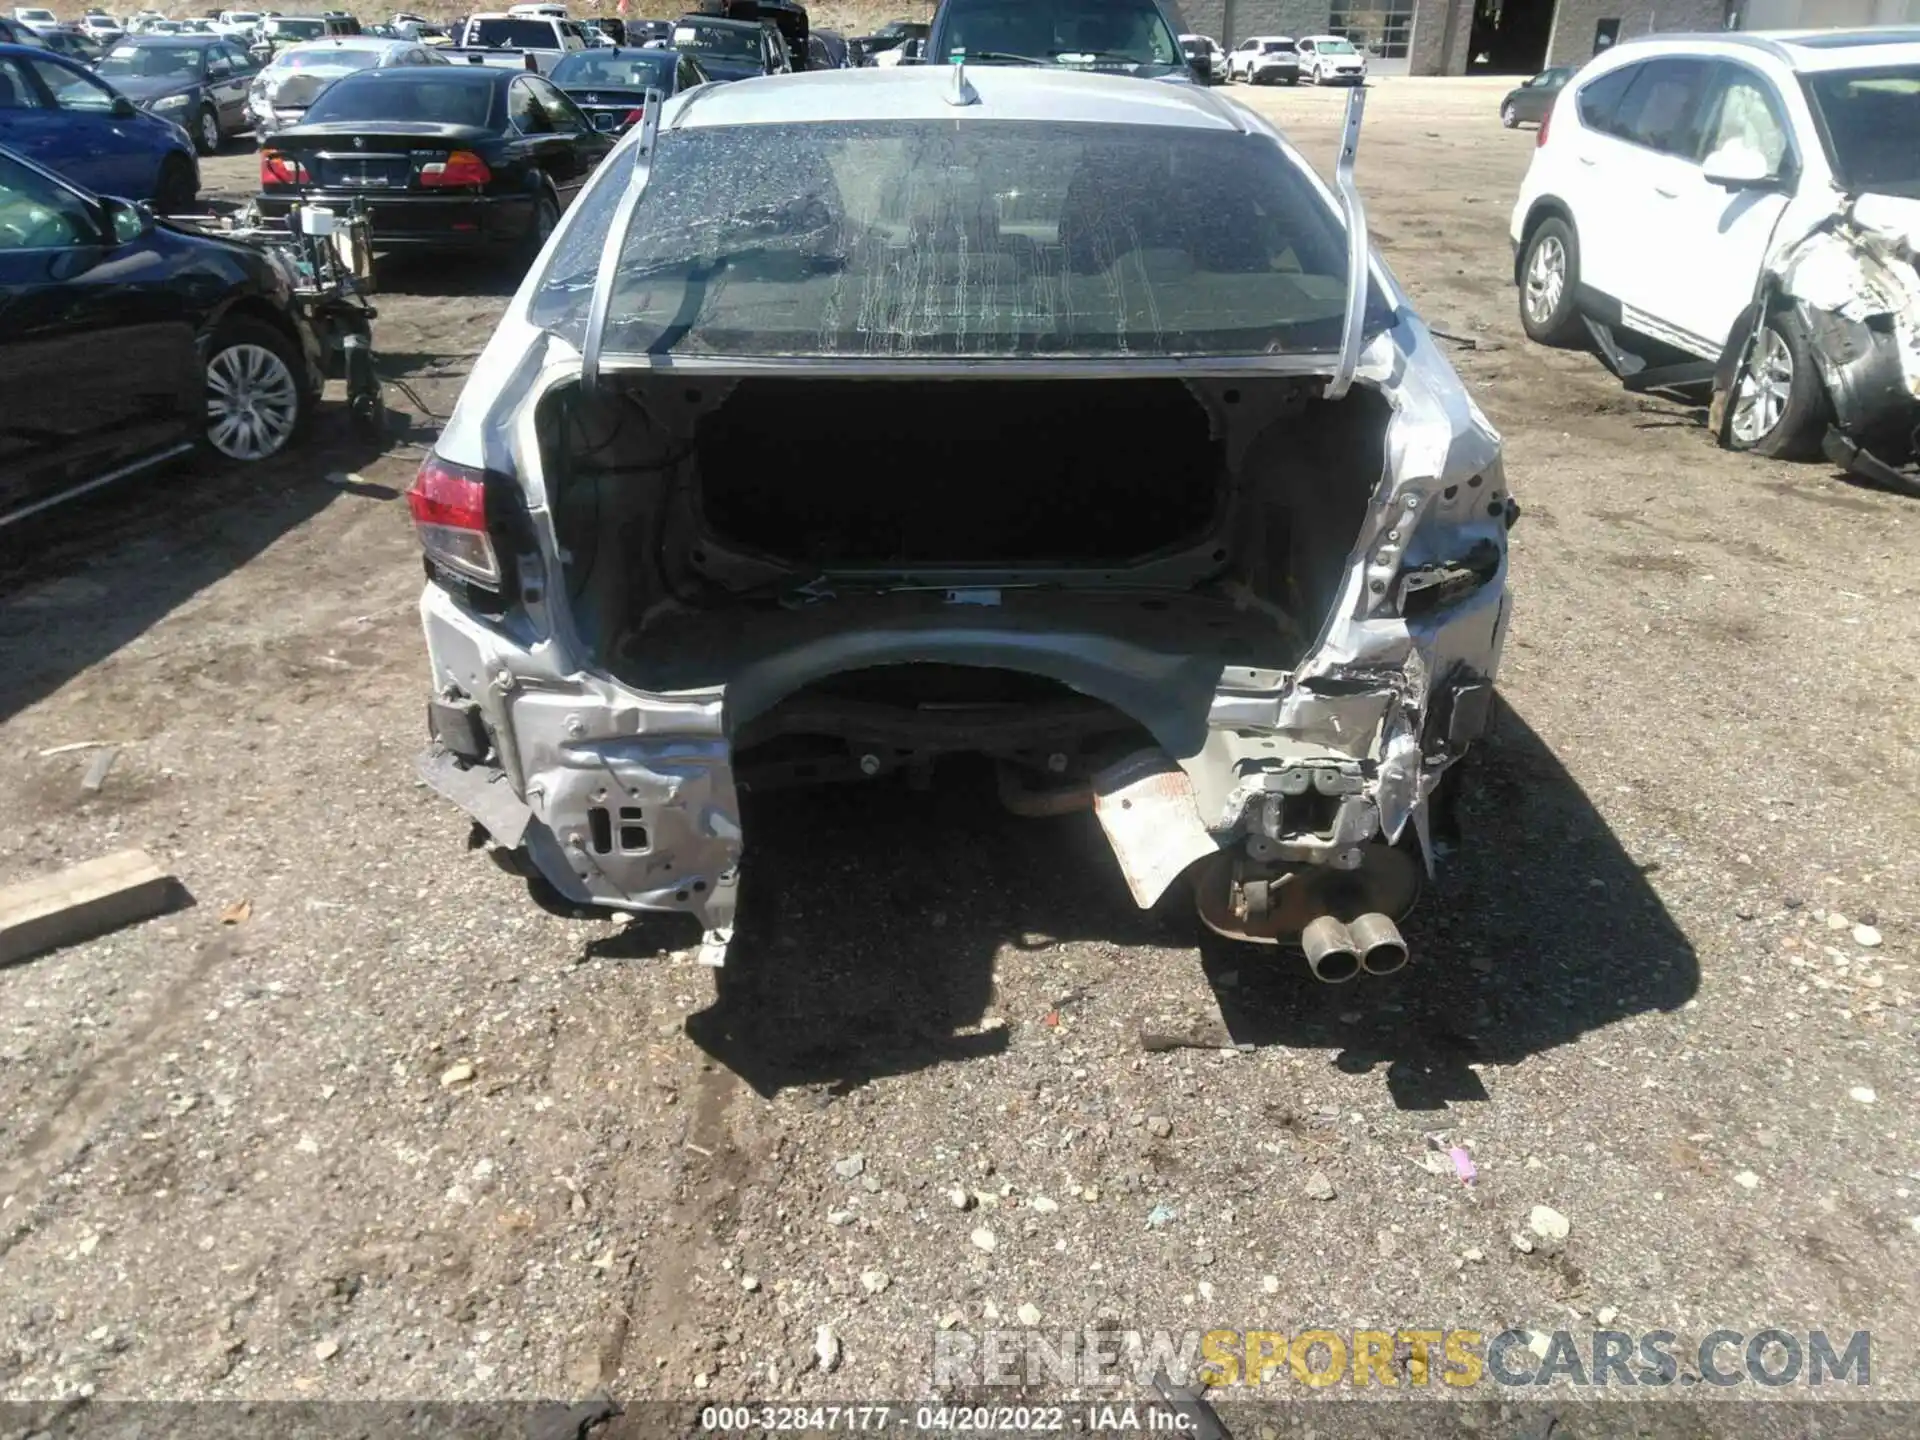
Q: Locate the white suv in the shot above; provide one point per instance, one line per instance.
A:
(1265, 60)
(1332, 60)
(1749, 199)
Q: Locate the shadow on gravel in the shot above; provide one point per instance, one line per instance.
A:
(870, 920)
(86, 577)
(872, 916)
(411, 272)
(1539, 929)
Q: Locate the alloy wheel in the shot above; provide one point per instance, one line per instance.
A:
(209, 131)
(1766, 384)
(1546, 279)
(253, 402)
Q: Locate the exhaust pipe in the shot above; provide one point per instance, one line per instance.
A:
(1378, 939)
(1332, 955)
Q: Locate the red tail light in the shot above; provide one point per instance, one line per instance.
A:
(461, 168)
(449, 505)
(635, 115)
(1540, 135)
(278, 169)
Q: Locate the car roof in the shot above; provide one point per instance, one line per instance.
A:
(925, 92)
(718, 22)
(474, 75)
(175, 42)
(1802, 50)
(346, 42)
(621, 52)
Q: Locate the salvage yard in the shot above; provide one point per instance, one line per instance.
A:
(363, 1121)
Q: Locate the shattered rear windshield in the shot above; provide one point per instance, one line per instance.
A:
(995, 238)
(1872, 123)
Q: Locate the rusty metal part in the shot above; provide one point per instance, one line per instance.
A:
(1271, 904)
(1146, 807)
(1378, 939)
(1332, 955)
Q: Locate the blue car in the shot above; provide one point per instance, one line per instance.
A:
(59, 114)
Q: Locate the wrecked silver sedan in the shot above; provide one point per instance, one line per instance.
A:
(853, 420)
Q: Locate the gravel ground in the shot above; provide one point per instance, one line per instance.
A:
(363, 1122)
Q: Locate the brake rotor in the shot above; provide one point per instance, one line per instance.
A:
(1388, 880)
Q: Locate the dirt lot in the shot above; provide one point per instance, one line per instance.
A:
(236, 1159)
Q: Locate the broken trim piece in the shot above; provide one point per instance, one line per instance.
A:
(616, 240)
(1354, 210)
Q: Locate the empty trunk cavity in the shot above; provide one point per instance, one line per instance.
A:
(850, 473)
(1129, 542)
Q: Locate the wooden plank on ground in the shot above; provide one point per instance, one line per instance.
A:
(81, 902)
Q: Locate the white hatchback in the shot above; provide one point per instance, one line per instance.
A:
(1751, 200)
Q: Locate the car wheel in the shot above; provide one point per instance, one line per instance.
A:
(1509, 117)
(546, 215)
(255, 401)
(206, 131)
(178, 189)
(1549, 280)
(1779, 403)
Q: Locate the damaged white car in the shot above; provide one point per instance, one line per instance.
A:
(1750, 205)
(854, 420)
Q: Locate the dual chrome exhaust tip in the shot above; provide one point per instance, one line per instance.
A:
(1337, 951)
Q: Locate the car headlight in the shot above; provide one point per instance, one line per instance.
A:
(167, 104)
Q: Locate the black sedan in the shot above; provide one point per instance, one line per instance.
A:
(1528, 103)
(611, 85)
(125, 342)
(443, 155)
(197, 81)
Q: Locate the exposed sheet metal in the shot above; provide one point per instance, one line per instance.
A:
(1146, 807)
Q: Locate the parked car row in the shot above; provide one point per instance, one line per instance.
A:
(1283, 60)
(430, 152)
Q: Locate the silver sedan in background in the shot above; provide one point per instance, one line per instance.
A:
(283, 90)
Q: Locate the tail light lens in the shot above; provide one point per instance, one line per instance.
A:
(449, 505)
(461, 168)
(278, 169)
(635, 115)
(1540, 135)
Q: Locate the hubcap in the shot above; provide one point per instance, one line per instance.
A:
(1765, 386)
(1506, 114)
(210, 131)
(1546, 279)
(252, 402)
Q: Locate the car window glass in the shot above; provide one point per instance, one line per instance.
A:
(1661, 110)
(917, 237)
(1599, 100)
(1746, 118)
(525, 110)
(561, 112)
(72, 90)
(218, 65)
(38, 215)
(17, 92)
